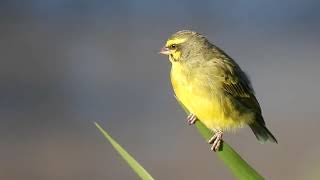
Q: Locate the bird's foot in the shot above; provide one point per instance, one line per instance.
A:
(216, 140)
(191, 119)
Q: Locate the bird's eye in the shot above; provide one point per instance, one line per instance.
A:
(173, 46)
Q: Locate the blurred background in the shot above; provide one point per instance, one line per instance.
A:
(66, 64)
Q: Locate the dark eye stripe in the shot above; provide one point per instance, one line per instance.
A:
(173, 46)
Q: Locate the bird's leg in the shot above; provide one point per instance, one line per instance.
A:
(216, 140)
(191, 119)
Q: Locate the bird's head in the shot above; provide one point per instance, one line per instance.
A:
(183, 45)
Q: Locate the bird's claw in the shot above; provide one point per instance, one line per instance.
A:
(216, 140)
(191, 119)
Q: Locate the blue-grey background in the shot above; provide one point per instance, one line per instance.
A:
(66, 64)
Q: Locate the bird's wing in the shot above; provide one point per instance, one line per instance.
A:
(236, 83)
(243, 93)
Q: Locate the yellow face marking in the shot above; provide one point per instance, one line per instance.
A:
(175, 41)
(175, 53)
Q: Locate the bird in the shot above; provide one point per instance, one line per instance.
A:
(213, 87)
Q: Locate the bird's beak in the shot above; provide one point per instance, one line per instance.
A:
(165, 51)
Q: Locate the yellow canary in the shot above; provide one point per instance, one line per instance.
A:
(214, 89)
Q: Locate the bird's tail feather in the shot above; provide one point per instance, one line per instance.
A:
(262, 133)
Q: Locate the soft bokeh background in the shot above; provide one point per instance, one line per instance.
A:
(66, 64)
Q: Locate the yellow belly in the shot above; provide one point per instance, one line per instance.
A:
(212, 107)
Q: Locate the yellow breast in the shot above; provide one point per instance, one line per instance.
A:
(203, 100)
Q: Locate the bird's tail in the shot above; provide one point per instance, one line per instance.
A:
(262, 133)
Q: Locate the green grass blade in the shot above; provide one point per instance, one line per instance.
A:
(239, 167)
(137, 168)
